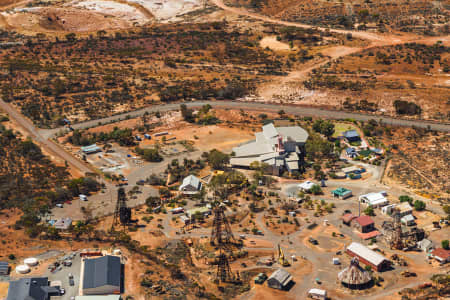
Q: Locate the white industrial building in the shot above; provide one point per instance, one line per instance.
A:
(191, 185)
(281, 148)
(306, 186)
(374, 199)
(425, 245)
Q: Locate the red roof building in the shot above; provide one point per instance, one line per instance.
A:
(441, 255)
(347, 219)
(364, 224)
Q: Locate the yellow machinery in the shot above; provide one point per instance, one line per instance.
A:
(281, 259)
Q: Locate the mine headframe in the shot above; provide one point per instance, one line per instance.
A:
(221, 234)
(122, 213)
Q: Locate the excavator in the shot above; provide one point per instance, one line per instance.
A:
(281, 259)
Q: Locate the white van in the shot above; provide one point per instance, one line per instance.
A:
(83, 197)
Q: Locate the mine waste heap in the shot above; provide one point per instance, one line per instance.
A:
(355, 277)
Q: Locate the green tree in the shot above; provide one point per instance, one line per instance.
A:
(217, 159)
(445, 244)
(327, 128)
(369, 211)
(186, 113)
(316, 190)
(447, 209)
(419, 205)
(406, 198)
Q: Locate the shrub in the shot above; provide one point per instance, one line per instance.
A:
(419, 205)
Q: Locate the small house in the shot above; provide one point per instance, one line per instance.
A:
(185, 220)
(91, 149)
(347, 219)
(63, 223)
(351, 136)
(317, 294)
(441, 255)
(341, 193)
(191, 185)
(408, 220)
(404, 209)
(388, 209)
(204, 210)
(306, 186)
(279, 279)
(425, 245)
(364, 224)
(351, 152)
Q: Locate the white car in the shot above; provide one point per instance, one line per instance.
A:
(83, 197)
(62, 291)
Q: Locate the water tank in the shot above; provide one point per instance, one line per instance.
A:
(22, 269)
(117, 252)
(31, 261)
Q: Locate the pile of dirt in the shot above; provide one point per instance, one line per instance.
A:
(75, 20)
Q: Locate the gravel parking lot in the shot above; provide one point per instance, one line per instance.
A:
(63, 276)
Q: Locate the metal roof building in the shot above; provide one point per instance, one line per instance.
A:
(102, 275)
(279, 279)
(191, 185)
(341, 193)
(369, 257)
(35, 288)
(351, 135)
(4, 268)
(91, 149)
(276, 146)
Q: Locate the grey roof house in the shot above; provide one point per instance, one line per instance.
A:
(351, 135)
(281, 148)
(35, 288)
(279, 279)
(102, 276)
(191, 185)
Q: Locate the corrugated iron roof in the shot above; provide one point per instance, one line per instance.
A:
(364, 252)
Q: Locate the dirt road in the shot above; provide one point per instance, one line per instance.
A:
(48, 145)
(376, 38)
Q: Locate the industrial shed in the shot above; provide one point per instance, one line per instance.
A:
(102, 275)
(4, 268)
(368, 257)
(35, 288)
(279, 279)
(190, 185)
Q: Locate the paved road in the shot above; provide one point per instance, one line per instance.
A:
(297, 110)
(49, 146)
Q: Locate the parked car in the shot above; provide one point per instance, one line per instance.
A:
(67, 263)
(260, 278)
(313, 241)
(62, 291)
(60, 205)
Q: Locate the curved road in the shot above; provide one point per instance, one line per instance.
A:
(43, 136)
(296, 110)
